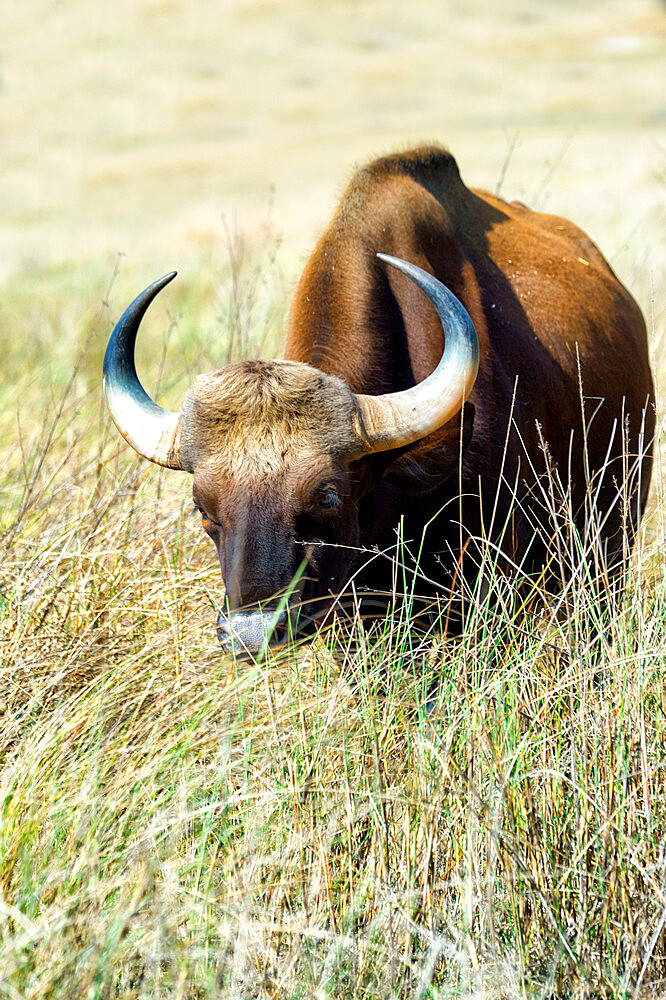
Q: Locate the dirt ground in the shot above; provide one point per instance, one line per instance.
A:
(139, 126)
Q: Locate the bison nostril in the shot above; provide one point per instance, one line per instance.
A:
(279, 636)
(250, 631)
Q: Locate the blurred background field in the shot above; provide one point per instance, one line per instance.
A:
(173, 824)
(136, 126)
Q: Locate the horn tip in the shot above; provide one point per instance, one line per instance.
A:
(401, 265)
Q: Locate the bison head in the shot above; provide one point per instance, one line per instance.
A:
(277, 452)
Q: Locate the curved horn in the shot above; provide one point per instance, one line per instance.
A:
(151, 430)
(398, 418)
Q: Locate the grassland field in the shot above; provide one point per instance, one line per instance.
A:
(375, 814)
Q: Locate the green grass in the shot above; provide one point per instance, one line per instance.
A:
(377, 814)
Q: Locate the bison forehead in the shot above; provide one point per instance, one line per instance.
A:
(253, 414)
(254, 491)
(257, 462)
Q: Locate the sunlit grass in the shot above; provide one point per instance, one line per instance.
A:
(375, 815)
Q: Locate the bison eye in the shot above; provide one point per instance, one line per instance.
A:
(329, 497)
(207, 523)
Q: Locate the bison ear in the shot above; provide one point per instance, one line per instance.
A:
(425, 465)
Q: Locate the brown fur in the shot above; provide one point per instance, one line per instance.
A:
(553, 323)
(564, 361)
